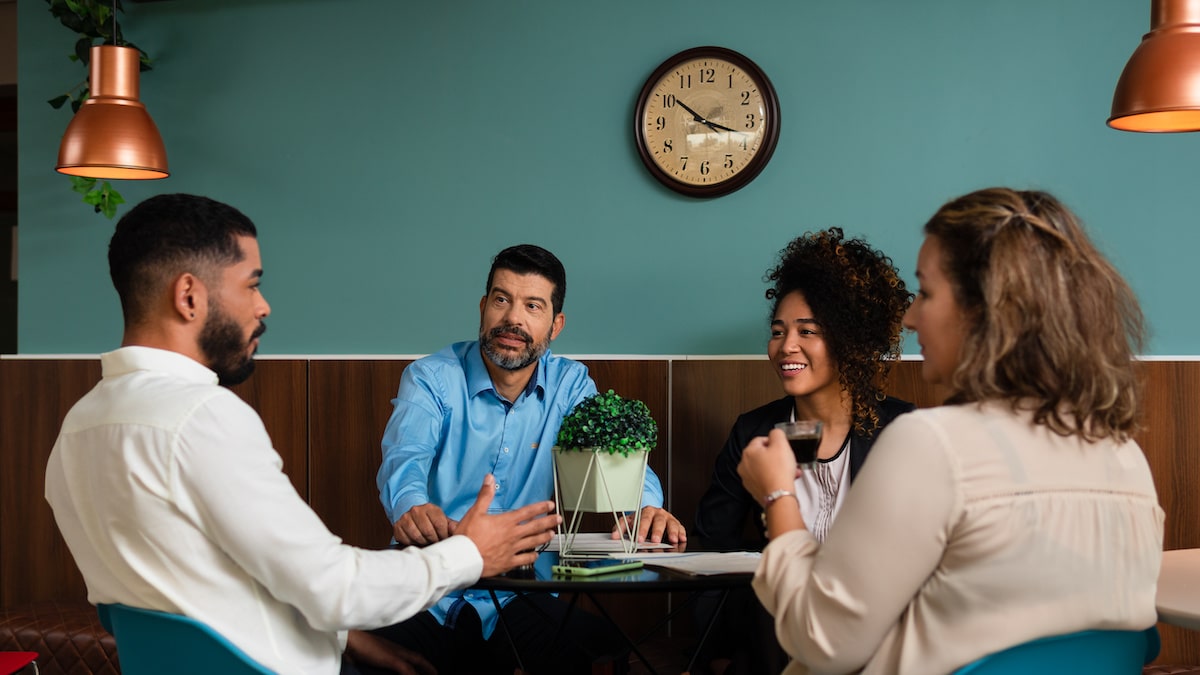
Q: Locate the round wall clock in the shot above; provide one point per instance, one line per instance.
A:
(707, 121)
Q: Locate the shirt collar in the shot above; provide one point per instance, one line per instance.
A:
(129, 359)
(479, 380)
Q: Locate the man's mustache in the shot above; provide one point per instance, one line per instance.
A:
(509, 330)
(262, 328)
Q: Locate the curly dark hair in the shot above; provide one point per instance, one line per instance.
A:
(858, 299)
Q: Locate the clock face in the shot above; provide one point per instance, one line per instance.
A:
(707, 121)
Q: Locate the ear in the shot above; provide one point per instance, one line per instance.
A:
(189, 297)
(556, 326)
(482, 302)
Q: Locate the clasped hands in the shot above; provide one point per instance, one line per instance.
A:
(427, 523)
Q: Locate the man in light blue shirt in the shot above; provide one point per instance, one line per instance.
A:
(492, 406)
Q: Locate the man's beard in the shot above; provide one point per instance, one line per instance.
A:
(221, 341)
(532, 352)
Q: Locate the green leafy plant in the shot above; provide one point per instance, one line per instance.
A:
(104, 198)
(91, 20)
(607, 422)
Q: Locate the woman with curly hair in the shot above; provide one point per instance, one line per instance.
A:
(1020, 509)
(837, 307)
(835, 332)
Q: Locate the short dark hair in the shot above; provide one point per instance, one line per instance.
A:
(530, 259)
(165, 236)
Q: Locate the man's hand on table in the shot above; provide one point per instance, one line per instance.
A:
(657, 526)
(507, 540)
(423, 525)
(372, 650)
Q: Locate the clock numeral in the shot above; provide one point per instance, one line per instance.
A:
(745, 98)
(708, 75)
(751, 121)
(668, 100)
(660, 123)
(743, 141)
(704, 168)
(683, 162)
(668, 146)
(731, 80)
(728, 161)
(685, 81)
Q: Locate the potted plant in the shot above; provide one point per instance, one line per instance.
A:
(600, 457)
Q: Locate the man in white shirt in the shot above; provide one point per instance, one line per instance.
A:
(170, 496)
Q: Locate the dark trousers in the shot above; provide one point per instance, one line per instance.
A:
(549, 642)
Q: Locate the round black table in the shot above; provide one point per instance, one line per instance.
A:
(541, 579)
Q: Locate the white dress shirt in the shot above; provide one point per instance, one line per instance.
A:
(170, 496)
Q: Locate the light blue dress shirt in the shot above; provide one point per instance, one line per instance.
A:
(450, 428)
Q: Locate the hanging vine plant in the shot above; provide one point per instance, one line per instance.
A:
(92, 20)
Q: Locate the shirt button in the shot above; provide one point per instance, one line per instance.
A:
(506, 451)
(497, 487)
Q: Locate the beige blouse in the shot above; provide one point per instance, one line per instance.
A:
(969, 530)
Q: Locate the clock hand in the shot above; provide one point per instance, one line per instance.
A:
(722, 127)
(711, 125)
(695, 115)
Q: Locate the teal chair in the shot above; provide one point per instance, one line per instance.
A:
(1095, 652)
(152, 643)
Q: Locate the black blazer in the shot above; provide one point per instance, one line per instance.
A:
(726, 507)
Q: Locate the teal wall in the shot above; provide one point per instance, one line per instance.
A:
(388, 149)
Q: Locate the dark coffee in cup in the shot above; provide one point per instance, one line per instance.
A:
(805, 449)
(804, 437)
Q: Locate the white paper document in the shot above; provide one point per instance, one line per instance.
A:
(599, 542)
(704, 564)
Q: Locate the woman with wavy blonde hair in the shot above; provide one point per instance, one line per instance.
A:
(1021, 508)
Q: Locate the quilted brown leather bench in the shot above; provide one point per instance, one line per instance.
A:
(66, 635)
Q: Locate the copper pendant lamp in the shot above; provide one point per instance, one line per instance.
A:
(1159, 90)
(112, 135)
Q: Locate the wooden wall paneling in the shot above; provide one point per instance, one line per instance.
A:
(707, 397)
(35, 396)
(905, 382)
(1170, 437)
(350, 403)
(278, 391)
(647, 382)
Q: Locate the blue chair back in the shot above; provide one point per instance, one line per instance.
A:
(152, 643)
(1095, 652)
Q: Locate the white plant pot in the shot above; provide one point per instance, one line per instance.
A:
(595, 481)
